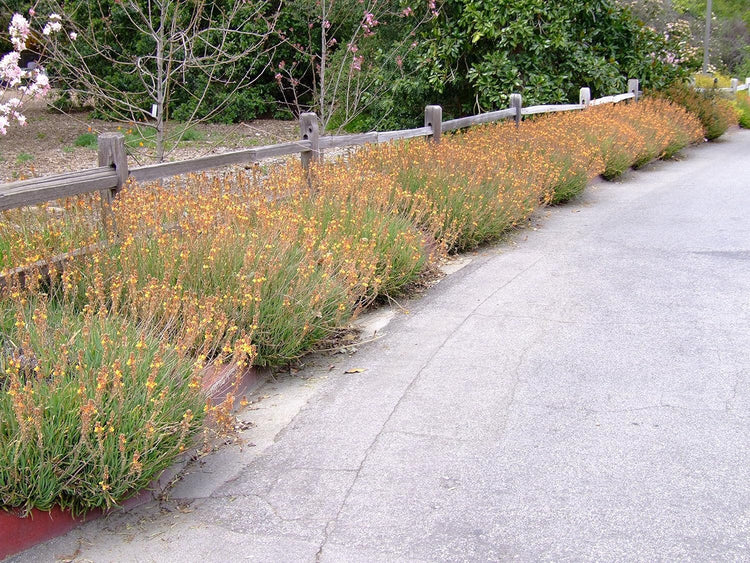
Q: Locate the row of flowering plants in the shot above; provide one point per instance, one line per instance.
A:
(101, 361)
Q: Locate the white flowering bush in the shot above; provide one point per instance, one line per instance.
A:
(19, 84)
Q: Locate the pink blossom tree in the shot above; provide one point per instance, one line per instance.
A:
(17, 84)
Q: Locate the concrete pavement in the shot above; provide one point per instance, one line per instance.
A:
(579, 393)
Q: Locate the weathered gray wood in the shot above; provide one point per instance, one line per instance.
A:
(44, 267)
(604, 100)
(53, 178)
(387, 136)
(734, 85)
(584, 97)
(488, 117)
(30, 192)
(516, 103)
(273, 151)
(433, 118)
(714, 89)
(623, 97)
(112, 153)
(155, 171)
(633, 85)
(551, 108)
(310, 131)
(348, 140)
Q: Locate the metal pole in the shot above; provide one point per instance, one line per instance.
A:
(707, 38)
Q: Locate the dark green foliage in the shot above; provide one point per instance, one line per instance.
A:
(479, 51)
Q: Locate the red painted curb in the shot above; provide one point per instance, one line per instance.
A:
(19, 533)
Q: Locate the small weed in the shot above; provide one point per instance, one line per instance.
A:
(191, 134)
(67, 149)
(86, 140)
(24, 157)
(41, 136)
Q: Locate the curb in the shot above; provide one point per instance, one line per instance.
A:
(18, 533)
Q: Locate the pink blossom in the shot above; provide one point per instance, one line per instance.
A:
(368, 22)
(357, 63)
(10, 72)
(19, 30)
(28, 82)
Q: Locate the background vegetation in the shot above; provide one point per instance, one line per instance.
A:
(363, 64)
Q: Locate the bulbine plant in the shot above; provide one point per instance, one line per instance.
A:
(101, 356)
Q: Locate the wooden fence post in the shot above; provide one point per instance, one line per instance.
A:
(584, 97)
(734, 85)
(310, 131)
(433, 117)
(112, 153)
(633, 88)
(111, 148)
(516, 102)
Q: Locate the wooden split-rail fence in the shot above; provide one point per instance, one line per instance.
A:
(734, 87)
(113, 171)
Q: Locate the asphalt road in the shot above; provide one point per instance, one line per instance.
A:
(581, 393)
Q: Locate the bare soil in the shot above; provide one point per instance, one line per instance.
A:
(46, 145)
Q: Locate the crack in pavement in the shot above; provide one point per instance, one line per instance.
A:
(332, 523)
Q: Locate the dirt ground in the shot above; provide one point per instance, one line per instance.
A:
(46, 145)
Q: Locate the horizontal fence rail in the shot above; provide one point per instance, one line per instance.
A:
(39, 190)
(113, 170)
(734, 87)
(246, 156)
(489, 117)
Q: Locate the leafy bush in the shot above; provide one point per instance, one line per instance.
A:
(477, 52)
